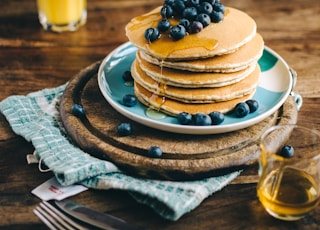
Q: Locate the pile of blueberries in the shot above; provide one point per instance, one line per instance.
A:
(193, 16)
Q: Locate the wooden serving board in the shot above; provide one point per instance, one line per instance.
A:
(185, 157)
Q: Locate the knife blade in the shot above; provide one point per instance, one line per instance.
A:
(93, 217)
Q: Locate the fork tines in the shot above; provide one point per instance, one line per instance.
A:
(54, 218)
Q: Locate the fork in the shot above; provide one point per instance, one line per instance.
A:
(54, 218)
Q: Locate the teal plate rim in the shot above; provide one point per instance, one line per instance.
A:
(274, 87)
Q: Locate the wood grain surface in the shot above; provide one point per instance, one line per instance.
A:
(32, 59)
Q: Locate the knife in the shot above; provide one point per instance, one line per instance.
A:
(93, 217)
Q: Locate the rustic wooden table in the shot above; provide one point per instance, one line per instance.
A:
(32, 59)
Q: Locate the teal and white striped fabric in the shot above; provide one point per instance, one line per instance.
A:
(36, 118)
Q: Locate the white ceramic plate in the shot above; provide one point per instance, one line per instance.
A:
(274, 87)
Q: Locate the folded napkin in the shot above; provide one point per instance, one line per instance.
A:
(36, 118)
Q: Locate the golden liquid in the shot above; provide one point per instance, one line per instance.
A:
(59, 12)
(294, 195)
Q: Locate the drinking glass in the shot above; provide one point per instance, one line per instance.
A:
(62, 15)
(289, 170)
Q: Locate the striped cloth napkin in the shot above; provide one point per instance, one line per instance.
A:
(36, 118)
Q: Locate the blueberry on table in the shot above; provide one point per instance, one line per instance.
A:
(241, 109)
(155, 152)
(129, 100)
(286, 151)
(184, 118)
(178, 32)
(78, 110)
(152, 34)
(253, 105)
(124, 129)
(202, 119)
(216, 118)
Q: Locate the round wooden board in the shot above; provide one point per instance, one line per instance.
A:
(185, 157)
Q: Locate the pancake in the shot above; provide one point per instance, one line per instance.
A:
(197, 95)
(187, 79)
(236, 29)
(173, 107)
(235, 61)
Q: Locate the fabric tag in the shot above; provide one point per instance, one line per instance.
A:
(52, 190)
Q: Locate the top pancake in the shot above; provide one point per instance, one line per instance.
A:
(236, 29)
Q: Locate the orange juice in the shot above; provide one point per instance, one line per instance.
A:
(61, 15)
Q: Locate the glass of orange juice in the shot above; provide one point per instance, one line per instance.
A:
(289, 185)
(62, 15)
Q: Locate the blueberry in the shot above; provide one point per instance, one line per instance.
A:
(155, 152)
(178, 7)
(124, 129)
(169, 2)
(166, 11)
(178, 32)
(129, 100)
(253, 105)
(152, 34)
(205, 8)
(190, 13)
(202, 119)
(204, 19)
(126, 76)
(216, 118)
(78, 110)
(195, 27)
(192, 2)
(219, 7)
(185, 118)
(164, 25)
(286, 151)
(210, 1)
(185, 23)
(216, 16)
(241, 109)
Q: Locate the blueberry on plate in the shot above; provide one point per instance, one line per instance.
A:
(178, 32)
(202, 119)
(129, 100)
(124, 129)
(216, 118)
(253, 105)
(184, 118)
(126, 76)
(287, 151)
(241, 109)
(78, 110)
(152, 34)
(155, 152)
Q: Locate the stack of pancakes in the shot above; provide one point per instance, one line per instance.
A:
(212, 70)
